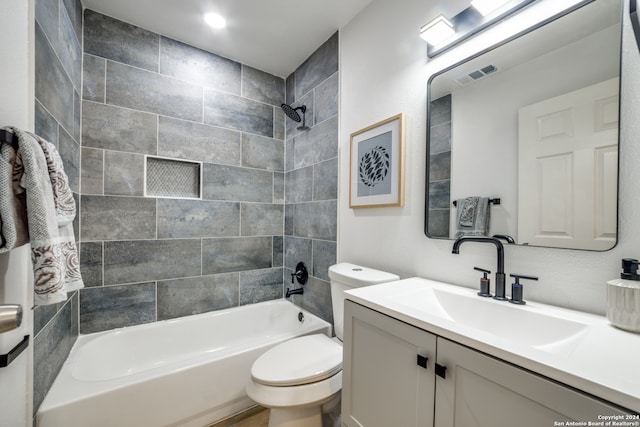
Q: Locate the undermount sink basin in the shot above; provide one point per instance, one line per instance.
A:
(533, 324)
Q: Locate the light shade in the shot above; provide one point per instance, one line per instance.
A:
(437, 30)
(214, 20)
(485, 7)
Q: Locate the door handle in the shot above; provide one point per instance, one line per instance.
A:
(10, 317)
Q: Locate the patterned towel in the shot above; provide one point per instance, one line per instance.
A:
(13, 211)
(473, 217)
(50, 212)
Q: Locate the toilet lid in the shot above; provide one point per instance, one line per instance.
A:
(299, 361)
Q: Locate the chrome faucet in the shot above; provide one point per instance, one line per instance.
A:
(500, 277)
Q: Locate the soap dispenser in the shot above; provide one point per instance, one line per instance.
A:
(623, 297)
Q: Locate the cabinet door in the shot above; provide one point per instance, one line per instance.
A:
(481, 391)
(383, 385)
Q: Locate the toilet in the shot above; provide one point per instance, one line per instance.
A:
(301, 379)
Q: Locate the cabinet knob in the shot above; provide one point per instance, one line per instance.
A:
(441, 370)
(422, 361)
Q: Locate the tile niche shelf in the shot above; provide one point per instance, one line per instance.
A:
(166, 177)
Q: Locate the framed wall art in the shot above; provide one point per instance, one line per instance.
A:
(376, 171)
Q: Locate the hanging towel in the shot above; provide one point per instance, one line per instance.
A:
(13, 211)
(50, 212)
(473, 217)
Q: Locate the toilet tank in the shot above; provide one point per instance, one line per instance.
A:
(345, 276)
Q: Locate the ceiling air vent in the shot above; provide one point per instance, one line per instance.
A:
(476, 75)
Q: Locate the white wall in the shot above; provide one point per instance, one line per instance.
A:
(484, 138)
(16, 279)
(384, 71)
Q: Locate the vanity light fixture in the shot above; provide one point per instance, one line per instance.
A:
(215, 20)
(485, 7)
(475, 18)
(437, 30)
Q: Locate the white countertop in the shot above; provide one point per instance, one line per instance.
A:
(601, 360)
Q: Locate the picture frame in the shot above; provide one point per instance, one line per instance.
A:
(376, 177)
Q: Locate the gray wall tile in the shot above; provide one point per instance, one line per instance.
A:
(197, 66)
(440, 166)
(278, 187)
(124, 174)
(316, 220)
(261, 86)
(297, 250)
(147, 91)
(262, 153)
(77, 111)
(278, 123)
(440, 111)
(73, 9)
(194, 141)
(290, 88)
(325, 180)
(326, 99)
(45, 124)
(139, 260)
(94, 73)
(318, 67)
(92, 171)
(47, 16)
(91, 263)
(324, 256)
(70, 153)
(231, 111)
(234, 183)
(117, 306)
(119, 41)
(316, 299)
(438, 222)
(316, 145)
(299, 185)
(289, 213)
(113, 128)
(183, 297)
(236, 254)
(262, 285)
(113, 218)
(53, 88)
(278, 251)
(69, 51)
(197, 218)
(439, 194)
(260, 219)
(50, 350)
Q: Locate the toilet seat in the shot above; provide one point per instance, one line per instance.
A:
(299, 361)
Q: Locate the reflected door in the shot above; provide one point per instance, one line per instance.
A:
(568, 168)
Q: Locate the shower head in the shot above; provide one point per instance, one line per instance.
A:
(292, 113)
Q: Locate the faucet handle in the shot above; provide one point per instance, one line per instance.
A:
(517, 289)
(485, 282)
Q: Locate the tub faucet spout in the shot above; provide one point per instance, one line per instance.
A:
(500, 277)
(294, 292)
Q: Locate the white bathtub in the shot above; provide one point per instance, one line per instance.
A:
(184, 372)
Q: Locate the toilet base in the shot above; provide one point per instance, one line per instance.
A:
(310, 416)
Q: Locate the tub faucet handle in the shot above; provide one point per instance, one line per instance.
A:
(301, 274)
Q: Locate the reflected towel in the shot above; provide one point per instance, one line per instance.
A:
(473, 217)
(50, 212)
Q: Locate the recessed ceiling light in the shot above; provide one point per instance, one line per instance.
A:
(214, 20)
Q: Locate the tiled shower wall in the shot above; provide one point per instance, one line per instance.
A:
(311, 180)
(439, 168)
(58, 65)
(145, 259)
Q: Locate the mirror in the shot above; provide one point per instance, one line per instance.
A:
(532, 126)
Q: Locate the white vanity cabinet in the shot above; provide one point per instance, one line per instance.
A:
(384, 385)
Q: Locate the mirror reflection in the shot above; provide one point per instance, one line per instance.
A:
(523, 138)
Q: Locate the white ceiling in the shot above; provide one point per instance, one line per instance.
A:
(275, 36)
